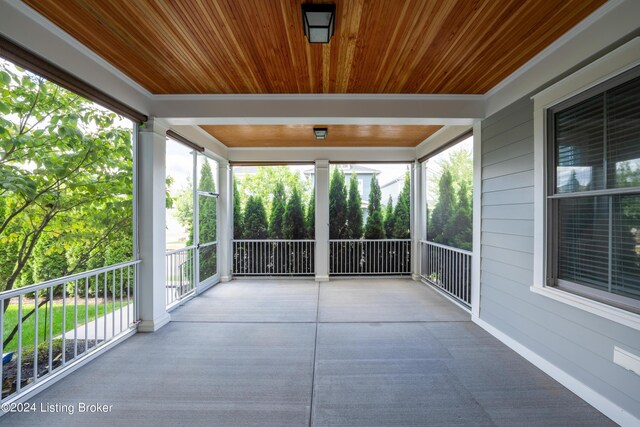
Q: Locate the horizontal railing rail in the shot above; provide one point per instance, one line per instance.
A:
(48, 327)
(253, 257)
(179, 275)
(369, 257)
(448, 268)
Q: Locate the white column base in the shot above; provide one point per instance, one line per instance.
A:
(154, 325)
(416, 277)
(225, 278)
(322, 278)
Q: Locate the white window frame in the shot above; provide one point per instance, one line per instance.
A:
(607, 67)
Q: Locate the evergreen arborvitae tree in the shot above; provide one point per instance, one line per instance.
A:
(459, 229)
(402, 213)
(354, 210)
(375, 222)
(237, 213)
(294, 223)
(443, 210)
(375, 195)
(207, 205)
(337, 206)
(255, 219)
(278, 206)
(207, 221)
(389, 219)
(311, 217)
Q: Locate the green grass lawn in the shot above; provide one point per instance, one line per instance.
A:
(11, 318)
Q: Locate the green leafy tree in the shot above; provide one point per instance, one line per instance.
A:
(183, 204)
(389, 218)
(375, 223)
(238, 219)
(278, 206)
(255, 219)
(459, 163)
(311, 217)
(65, 182)
(65, 177)
(402, 213)
(262, 184)
(354, 210)
(294, 223)
(337, 206)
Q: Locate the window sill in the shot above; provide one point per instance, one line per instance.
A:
(614, 314)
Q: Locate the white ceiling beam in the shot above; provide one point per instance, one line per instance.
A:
(320, 109)
(333, 154)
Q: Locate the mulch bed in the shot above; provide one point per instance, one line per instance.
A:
(10, 370)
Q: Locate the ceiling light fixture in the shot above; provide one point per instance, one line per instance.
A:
(318, 21)
(320, 133)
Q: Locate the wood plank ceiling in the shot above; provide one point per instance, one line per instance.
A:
(338, 135)
(258, 47)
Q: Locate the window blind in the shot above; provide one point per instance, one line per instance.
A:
(594, 197)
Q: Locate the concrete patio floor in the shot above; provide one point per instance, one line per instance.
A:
(383, 352)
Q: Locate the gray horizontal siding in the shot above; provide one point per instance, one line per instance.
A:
(507, 167)
(508, 152)
(512, 180)
(578, 342)
(523, 211)
(508, 226)
(508, 197)
(507, 241)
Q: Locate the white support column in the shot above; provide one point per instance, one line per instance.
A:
(417, 225)
(151, 226)
(477, 220)
(322, 220)
(225, 224)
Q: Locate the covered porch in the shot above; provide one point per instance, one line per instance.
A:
(297, 352)
(532, 319)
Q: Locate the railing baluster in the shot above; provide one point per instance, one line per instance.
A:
(121, 306)
(104, 303)
(75, 319)
(19, 361)
(113, 305)
(86, 315)
(36, 333)
(64, 325)
(128, 297)
(51, 329)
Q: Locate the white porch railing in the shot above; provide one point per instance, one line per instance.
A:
(179, 275)
(51, 326)
(370, 257)
(273, 257)
(448, 268)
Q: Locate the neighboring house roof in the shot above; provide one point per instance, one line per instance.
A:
(348, 169)
(393, 181)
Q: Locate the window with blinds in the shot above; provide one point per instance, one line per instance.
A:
(593, 192)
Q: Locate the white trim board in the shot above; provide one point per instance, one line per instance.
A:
(592, 397)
